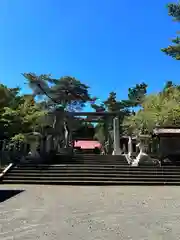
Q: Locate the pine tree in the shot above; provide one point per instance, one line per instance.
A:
(174, 49)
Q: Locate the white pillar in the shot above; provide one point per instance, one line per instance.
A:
(130, 147)
(117, 150)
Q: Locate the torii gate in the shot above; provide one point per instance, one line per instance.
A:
(105, 115)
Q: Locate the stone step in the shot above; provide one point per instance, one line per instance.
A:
(78, 161)
(96, 166)
(70, 172)
(98, 157)
(81, 161)
(95, 162)
(78, 166)
(96, 174)
(95, 178)
(86, 158)
(87, 182)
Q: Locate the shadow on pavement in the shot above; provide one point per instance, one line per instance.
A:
(6, 194)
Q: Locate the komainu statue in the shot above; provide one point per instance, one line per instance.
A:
(143, 159)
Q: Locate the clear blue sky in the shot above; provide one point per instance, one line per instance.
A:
(108, 44)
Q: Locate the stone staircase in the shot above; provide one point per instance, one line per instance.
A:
(92, 170)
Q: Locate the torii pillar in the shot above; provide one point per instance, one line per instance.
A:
(117, 150)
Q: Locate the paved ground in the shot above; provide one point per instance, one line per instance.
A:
(90, 213)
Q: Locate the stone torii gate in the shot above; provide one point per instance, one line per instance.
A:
(61, 125)
(105, 115)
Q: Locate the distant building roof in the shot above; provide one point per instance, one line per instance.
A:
(159, 131)
(87, 144)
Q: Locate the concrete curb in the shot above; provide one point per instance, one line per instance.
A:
(6, 170)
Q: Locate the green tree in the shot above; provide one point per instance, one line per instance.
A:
(66, 92)
(136, 95)
(9, 96)
(23, 119)
(111, 104)
(162, 109)
(9, 99)
(174, 49)
(103, 130)
(168, 85)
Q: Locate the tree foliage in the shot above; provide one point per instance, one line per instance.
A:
(174, 49)
(66, 92)
(162, 109)
(18, 113)
(136, 95)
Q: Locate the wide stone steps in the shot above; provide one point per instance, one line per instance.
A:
(92, 174)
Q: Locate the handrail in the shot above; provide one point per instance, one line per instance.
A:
(6, 170)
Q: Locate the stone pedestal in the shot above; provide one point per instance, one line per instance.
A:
(144, 143)
(34, 140)
(117, 150)
(33, 155)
